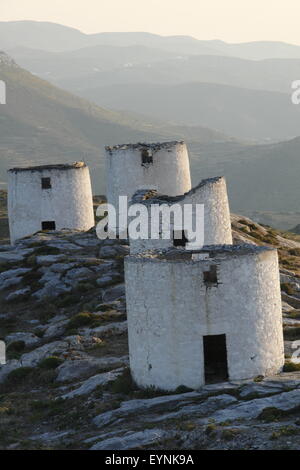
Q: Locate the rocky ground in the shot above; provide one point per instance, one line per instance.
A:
(66, 384)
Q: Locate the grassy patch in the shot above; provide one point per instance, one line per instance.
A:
(270, 414)
(211, 429)
(284, 431)
(291, 333)
(294, 251)
(288, 288)
(46, 250)
(229, 434)
(51, 362)
(18, 376)
(295, 314)
(291, 367)
(80, 320)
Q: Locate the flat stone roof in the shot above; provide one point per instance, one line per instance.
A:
(58, 166)
(154, 147)
(212, 252)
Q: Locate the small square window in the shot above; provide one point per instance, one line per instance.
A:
(179, 238)
(48, 225)
(210, 277)
(46, 183)
(147, 157)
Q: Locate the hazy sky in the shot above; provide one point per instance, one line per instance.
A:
(230, 20)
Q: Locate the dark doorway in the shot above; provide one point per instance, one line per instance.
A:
(46, 183)
(179, 238)
(215, 358)
(48, 225)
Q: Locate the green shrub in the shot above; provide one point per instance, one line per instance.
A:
(291, 333)
(16, 346)
(19, 375)
(51, 362)
(32, 276)
(123, 383)
(84, 286)
(294, 252)
(31, 260)
(183, 389)
(39, 332)
(46, 250)
(229, 434)
(211, 429)
(270, 414)
(284, 431)
(295, 314)
(291, 367)
(288, 288)
(81, 319)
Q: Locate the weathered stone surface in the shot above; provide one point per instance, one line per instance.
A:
(18, 294)
(28, 338)
(204, 408)
(93, 382)
(105, 281)
(80, 368)
(50, 436)
(78, 274)
(64, 245)
(12, 273)
(255, 389)
(88, 241)
(111, 328)
(114, 293)
(286, 308)
(251, 409)
(10, 256)
(142, 405)
(7, 368)
(131, 440)
(53, 285)
(34, 357)
(291, 300)
(107, 252)
(55, 329)
(291, 280)
(49, 259)
(61, 267)
(10, 283)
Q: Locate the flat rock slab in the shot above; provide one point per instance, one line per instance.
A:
(28, 338)
(80, 368)
(142, 405)
(92, 383)
(110, 329)
(131, 440)
(34, 357)
(286, 401)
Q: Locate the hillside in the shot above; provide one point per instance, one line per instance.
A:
(41, 123)
(91, 67)
(55, 37)
(66, 384)
(243, 113)
(259, 177)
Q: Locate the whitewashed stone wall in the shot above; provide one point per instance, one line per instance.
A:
(169, 171)
(174, 309)
(212, 193)
(68, 202)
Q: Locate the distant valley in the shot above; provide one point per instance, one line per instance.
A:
(230, 102)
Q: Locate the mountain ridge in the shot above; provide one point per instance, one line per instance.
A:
(31, 33)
